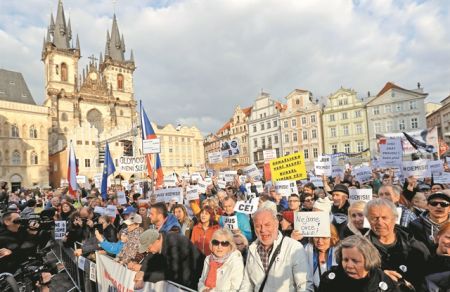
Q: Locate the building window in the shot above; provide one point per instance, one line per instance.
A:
(333, 132)
(344, 116)
(331, 118)
(399, 107)
(413, 104)
(357, 114)
(401, 124)
(387, 108)
(87, 163)
(255, 142)
(275, 124)
(262, 126)
(33, 132)
(313, 134)
(303, 120)
(414, 123)
(315, 153)
(334, 149)
(64, 72)
(359, 129)
(255, 156)
(285, 124)
(378, 129)
(345, 130)
(294, 123)
(254, 128)
(269, 141)
(15, 160)
(313, 118)
(260, 155)
(286, 138)
(376, 110)
(297, 101)
(119, 82)
(360, 146)
(33, 158)
(14, 131)
(305, 135)
(268, 125)
(263, 142)
(294, 137)
(389, 126)
(275, 139)
(347, 148)
(306, 153)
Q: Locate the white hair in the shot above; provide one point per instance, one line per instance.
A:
(272, 212)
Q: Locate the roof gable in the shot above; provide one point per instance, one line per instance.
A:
(14, 88)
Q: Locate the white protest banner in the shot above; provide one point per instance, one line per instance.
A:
(81, 180)
(286, 187)
(312, 224)
(128, 164)
(270, 154)
(229, 175)
(391, 153)
(322, 168)
(324, 158)
(196, 176)
(60, 230)
(442, 178)
(337, 171)
(259, 186)
(151, 146)
(363, 174)
(251, 171)
(360, 195)
(221, 184)
(98, 180)
(92, 272)
(435, 166)
(202, 186)
(230, 222)
(170, 181)
(110, 211)
(247, 207)
(167, 195)
(191, 193)
(215, 157)
(208, 180)
(317, 181)
(121, 198)
(99, 210)
(112, 276)
(417, 168)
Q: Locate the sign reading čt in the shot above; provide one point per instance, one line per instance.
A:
(289, 167)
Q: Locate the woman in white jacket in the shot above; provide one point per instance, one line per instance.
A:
(223, 269)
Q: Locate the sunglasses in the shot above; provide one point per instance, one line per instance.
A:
(215, 242)
(442, 204)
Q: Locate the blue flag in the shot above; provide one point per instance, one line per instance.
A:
(108, 169)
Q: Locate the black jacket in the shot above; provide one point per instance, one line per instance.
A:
(180, 261)
(340, 216)
(424, 230)
(110, 233)
(337, 280)
(407, 256)
(439, 274)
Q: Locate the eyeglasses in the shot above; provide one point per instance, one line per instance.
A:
(215, 242)
(442, 204)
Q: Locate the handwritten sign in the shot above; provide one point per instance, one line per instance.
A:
(230, 222)
(129, 164)
(151, 146)
(391, 153)
(191, 193)
(247, 207)
(167, 195)
(417, 168)
(363, 174)
(251, 171)
(121, 198)
(312, 224)
(286, 188)
(229, 175)
(215, 157)
(360, 195)
(323, 168)
(270, 154)
(289, 167)
(60, 230)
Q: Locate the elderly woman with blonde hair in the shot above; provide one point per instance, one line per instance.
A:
(355, 223)
(223, 269)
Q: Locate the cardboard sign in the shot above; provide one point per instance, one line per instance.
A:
(391, 153)
(417, 168)
(121, 198)
(60, 230)
(337, 171)
(323, 168)
(229, 175)
(435, 166)
(221, 184)
(317, 181)
(92, 272)
(247, 207)
(442, 178)
(167, 195)
(151, 146)
(312, 224)
(128, 164)
(230, 222)
(360, 195)
(110, 211)
(202, 186)
(289, 167)
(215, 157)
(251, 171)
(286, 187)
(170, 181)
(191, 193)
(270, 154)
(363, 174)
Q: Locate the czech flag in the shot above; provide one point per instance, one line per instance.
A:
(147, 134)
(72, 172)
(159, 171)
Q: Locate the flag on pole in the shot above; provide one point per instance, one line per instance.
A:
(147, 134)
(159, 171)
(108, 169)
(72, 171)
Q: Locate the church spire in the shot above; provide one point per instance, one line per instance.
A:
(77, 43)
(61, 34)
(115, 46)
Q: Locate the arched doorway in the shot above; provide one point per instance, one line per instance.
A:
(16, 182)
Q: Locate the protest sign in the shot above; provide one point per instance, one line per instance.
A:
(360, 195)
(259, 186)
(128, 164)
(417, 168)
(324, 158)
(270, 154)
(121, 198)
(167, 195)
(99, 210)
(242, 179)
(428, 137)
(391, 152)
(202, 186)
(251, 171)
(215, 157)
(98, 180)
(191, 193)
(81, 180)
(229, 175)
(110, 211)
(312, 224)
(92, 272)
(317, 181)
(112, 276)
(229, 148)
(151, 146)
(363, 174)
(208, 180)
(221, 184)
(337, 171)
(196, 176)
(82, 262)
(170, 181)
(289, 167)
(60, 230)
(247, 207)
(435, 167)
(442, 178)
(230, 222)
(286, 187)
(323, 168)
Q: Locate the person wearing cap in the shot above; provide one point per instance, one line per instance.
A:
(286, 219)
(403, 258)
(133, 232)
(357, 269)
(428, 224)
(339, 195)
(171, 256)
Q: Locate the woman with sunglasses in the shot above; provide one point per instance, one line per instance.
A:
(223, 269)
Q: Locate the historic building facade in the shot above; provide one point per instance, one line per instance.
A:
(440, 118)
(239, 132)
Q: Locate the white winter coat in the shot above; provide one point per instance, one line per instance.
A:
(229, 275)
(289, 272)
(309, 250)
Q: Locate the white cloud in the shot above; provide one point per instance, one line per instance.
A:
(198, 59)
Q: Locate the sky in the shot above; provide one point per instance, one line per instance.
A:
(198, 59)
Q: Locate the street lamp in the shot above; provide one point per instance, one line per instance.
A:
(187, 164)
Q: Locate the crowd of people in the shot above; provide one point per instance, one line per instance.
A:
(397, 241)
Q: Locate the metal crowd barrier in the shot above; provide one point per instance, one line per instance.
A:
(66, 257)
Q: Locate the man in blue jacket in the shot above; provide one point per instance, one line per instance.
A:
(227, 219)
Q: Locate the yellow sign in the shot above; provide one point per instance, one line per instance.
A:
(289, 167)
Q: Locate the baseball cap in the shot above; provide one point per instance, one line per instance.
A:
(148, 237)
(128, 210)
(135, 218)
(439, 195)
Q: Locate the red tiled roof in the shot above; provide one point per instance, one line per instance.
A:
(279, 106)
(247, 111)
(224, 127)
